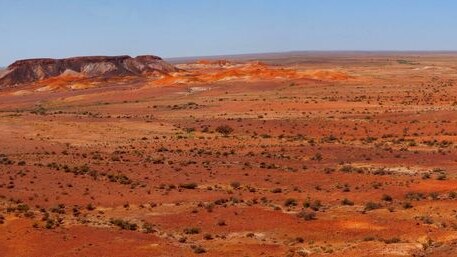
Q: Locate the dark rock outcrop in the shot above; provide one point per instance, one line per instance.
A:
(31, 70)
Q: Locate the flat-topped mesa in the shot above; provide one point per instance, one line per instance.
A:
(31, 70)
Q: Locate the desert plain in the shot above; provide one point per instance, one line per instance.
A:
(297, 154)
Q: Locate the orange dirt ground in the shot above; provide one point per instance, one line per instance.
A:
(324, 155)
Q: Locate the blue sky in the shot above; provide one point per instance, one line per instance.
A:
(172, 28)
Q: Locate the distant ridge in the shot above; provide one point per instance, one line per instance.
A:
(310, 53)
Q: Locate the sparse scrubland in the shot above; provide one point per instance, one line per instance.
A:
(293, 156)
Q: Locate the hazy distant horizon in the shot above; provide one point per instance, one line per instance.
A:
(179, 28)
(285, 54)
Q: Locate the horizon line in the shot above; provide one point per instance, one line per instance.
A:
(253, 54)
(312, 51)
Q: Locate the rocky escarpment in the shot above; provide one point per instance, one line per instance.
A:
(31, 70)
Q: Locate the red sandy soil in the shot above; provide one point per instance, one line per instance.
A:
(329, 156)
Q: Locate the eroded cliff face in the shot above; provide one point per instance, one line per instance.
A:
(31, 70)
